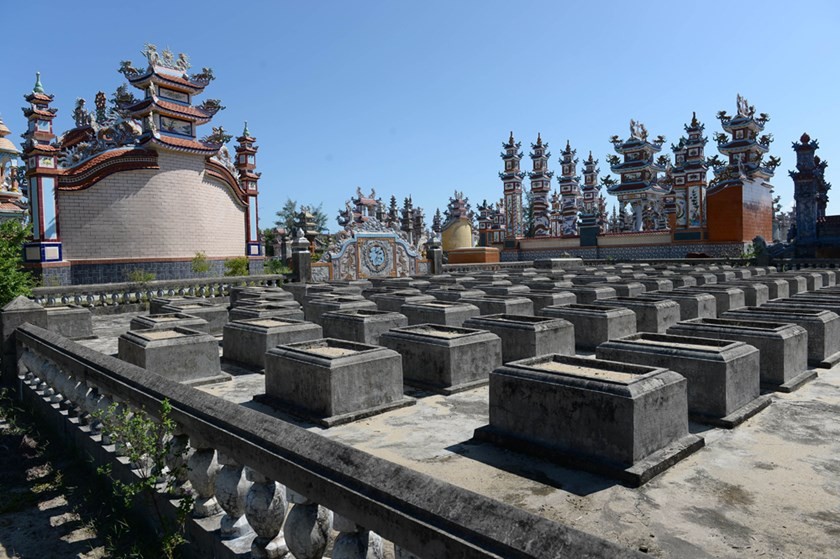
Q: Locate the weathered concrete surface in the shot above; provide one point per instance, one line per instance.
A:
(360, 325)
(215, 315)
(70, 321)
(623, 288)
(727, 297)
(627, 421)
(447, 313)
(179, 354)
(595, 324)
(334, 381)
(501, 304)
(444, 358)
(549, 298)
(692, 305)
(168, 320)
(783, 347)
(723, 376)
(247, 341)
(652, 315)
(527, 336)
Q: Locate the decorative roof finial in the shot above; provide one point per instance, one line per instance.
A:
(38, 87)
(246, 132)
(539, 139)
(805, 138)
(694, 118)
(568, 146)
(510, 140)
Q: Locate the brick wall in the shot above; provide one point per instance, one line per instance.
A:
(167, 213)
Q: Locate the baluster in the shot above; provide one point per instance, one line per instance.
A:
(307, 528)
(77, 299)
(177, 457)
(231, 489)
(265, 509)
(203, 467)
(355, 542)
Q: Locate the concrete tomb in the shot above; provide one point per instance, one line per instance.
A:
(490, 289)
(796, 284)
(527, 336)
(501, 304)
(70, 321)
(453, 293)
(755, 293)
(615, 419)
(168, 321)
(360, 325)
(247, 341)
(783, 347)
(445, 359)
(331, 381)
(703, 278)
(180, 354)
(266, 310)
(447, 313)
(624, 288)
(314, 308)
(595, 324)
(402, 283)
(156, 304)
(394, 300)
(723, 376)
(692, 305)
(726, 297)
(215, 315)
(652, 314)
(542, 299)
(590, 294)
(656, 284)
(823, 327)
(239, 294)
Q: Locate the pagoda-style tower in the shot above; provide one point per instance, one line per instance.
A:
(688, 182)
(540, 178)
(456, 231)
(512, 180)
(639, 185)
(491, 224)
(593, 204)
(42, 170)
(810, 191)
(246, 164)
(556, 216)
(739, 202)
(569, 191)
(11, 205)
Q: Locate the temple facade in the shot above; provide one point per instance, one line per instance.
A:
(133, 186)
(663, 208)
(12, 205)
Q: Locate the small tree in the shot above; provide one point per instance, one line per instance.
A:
(14, 280)
(237, 266)
(147, 444)
(200, 264)
(288, 214)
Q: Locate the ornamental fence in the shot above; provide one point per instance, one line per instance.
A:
(278, 479)
(103, 295)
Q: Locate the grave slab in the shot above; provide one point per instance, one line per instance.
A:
(723, 376)
(595, 324)
(314, 308)
(527, 336)
(823, 327)
(692, 305)
(542, 299)
(587, 294)
(167, 321)
(447, 313)
(445, 359)
(393, 301)
(624, 421)
(332, 382)
(247, 341)
(652, 314)
(783, 347)
(71, 321)
(179, 354)
(624, 288)
(501, 304)
(266, 310)
(215, 315)
(360, 325)
(726, 298)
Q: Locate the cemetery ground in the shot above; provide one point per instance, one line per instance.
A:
(768, 488)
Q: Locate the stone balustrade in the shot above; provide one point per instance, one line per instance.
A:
(251, 472)
(113, 294)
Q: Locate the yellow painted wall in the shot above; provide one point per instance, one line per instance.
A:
(457, 235)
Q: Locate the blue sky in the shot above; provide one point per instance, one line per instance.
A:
(415, 98)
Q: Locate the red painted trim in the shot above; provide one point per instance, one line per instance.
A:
(219, 171)
(105, 164)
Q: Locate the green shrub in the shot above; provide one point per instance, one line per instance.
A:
(276, 266)
(200, 264)
(237, 266)
(141, 276)
(14, 279)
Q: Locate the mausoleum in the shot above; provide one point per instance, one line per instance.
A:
(133, 186)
